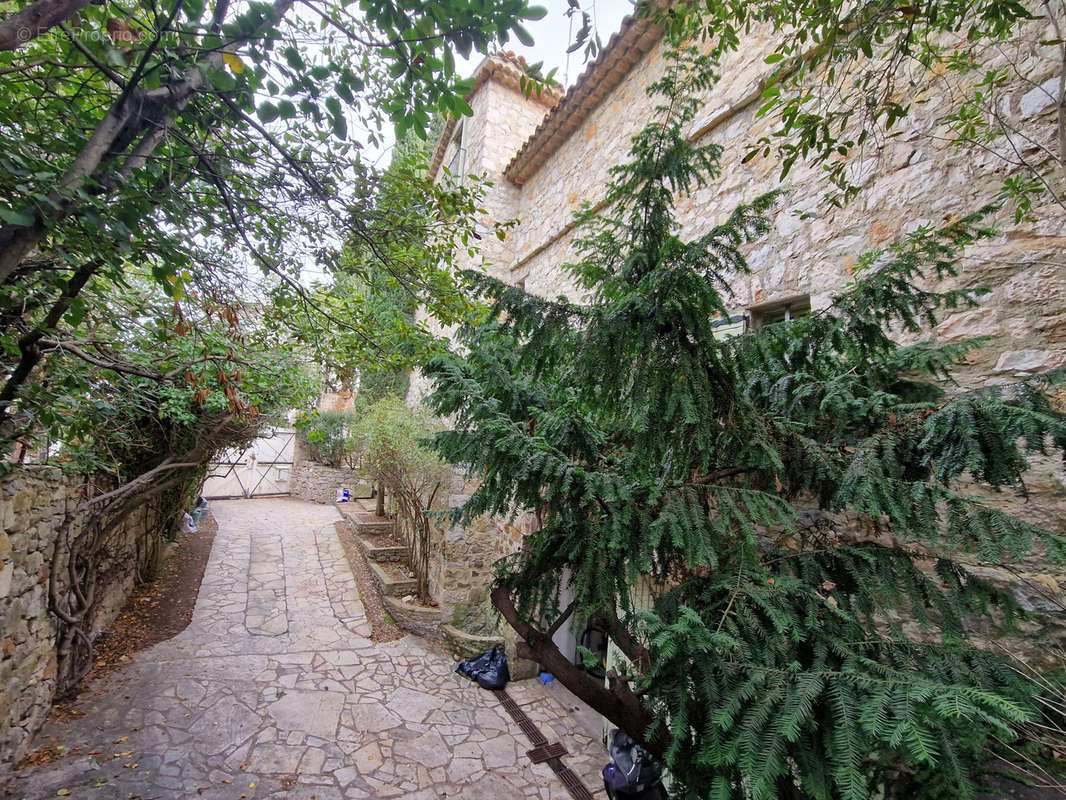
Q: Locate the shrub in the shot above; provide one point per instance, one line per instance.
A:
(389, 440)
(328, 437)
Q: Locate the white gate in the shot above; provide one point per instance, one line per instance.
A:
(262, 470)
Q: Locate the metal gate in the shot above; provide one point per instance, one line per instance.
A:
(261, 470)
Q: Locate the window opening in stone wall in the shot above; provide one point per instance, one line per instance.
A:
(457, 167)
(728, 327)
(779, 310)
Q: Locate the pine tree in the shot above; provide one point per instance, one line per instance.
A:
(723, 472)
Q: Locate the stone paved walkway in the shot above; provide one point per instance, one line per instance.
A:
(275, 691)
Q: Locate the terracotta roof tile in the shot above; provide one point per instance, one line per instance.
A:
(633, 41)
(504, 67)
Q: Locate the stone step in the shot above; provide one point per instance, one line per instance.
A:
(381, 527)
(468, 645)
(391, 581)
(364, 522)
(422, 620)
(383, 554)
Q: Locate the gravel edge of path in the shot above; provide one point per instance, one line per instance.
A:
(383, 630)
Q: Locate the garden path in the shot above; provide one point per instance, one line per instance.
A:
(275, 690)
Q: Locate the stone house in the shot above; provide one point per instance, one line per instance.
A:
(548, 155)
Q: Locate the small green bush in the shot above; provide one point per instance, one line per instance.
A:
(327, 435)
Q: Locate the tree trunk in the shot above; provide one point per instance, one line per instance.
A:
(35, 19)
(618, 702)
(379, 506)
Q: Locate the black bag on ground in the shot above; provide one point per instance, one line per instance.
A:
(632, 774)
(489, 669)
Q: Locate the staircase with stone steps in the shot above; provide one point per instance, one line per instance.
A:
(389, 560)
(367, 528)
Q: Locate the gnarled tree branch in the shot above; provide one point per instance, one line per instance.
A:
(35, 19)
(618, 703)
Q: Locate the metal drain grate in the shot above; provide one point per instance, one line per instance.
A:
(536, 738)
(573, 784)
(543, 752)
(538, 755)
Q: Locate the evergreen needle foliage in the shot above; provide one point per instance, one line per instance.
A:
(723, 474)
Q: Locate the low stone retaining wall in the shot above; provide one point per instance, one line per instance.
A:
(319, 483)
(391, 580)
(383, 554)
(468, 645)
(377, 537)
(421, 620)
(37, 508)
(442, 624)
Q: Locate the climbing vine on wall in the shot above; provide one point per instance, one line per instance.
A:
(140, 411)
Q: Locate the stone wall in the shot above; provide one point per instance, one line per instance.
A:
(37, 507)
(342, 402)
(461, 560)
(316, 482)
(503, 118)
(319, 483)
(912, 179)
(915, 178)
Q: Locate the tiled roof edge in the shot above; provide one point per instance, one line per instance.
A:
(504, 67)
(626, 48)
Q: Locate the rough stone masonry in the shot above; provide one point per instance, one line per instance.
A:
(546, 159)
(36, 504)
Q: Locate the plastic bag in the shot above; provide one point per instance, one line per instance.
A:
(612, 777)
(200, 511)
(633, 771)
(489, 669)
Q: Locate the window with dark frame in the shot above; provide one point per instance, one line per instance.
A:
(727, 327)
(457, 166)
(779, 310)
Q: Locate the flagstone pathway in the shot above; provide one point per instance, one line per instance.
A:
(275, 691)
